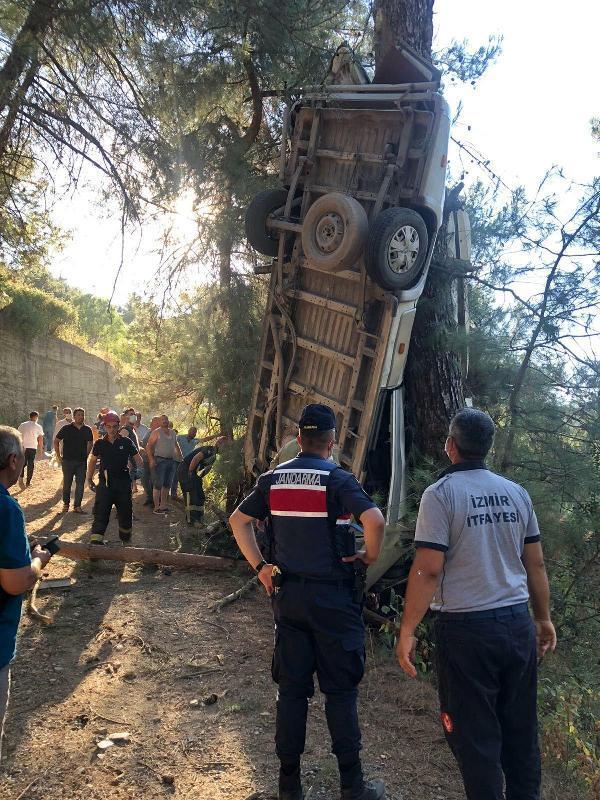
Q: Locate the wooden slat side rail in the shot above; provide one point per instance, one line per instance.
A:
(315, 396)
(327, 352)
(324, 302)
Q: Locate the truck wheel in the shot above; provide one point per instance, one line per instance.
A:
(261, 238)
(397, 248)
(334, 232)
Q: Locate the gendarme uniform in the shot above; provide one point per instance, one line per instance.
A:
(309, 501)
(486, 646)
(114, 486)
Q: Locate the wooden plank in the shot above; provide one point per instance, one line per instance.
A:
(327, 352)
(344, 431)
(338, 155)
(371, 394)
(346, 274)
(323, 302)
(317, 397)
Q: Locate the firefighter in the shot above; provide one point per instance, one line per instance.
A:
(114, 485)
(190, 473)
(478, 561)
(317, 596)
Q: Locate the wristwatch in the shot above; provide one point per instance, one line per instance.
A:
(260, 565)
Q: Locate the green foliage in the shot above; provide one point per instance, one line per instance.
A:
(201, 355)
(32, 312)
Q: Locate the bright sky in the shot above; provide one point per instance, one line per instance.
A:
(530, 111)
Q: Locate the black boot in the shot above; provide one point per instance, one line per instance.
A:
(365, 790)
(354, 786)
(290, 786)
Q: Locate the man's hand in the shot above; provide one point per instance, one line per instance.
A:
(43, 555)
(91, 484)
(545, 637)
(265, 577)
(405, 652)
(361, 555)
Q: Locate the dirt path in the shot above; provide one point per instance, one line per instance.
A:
(133, 649)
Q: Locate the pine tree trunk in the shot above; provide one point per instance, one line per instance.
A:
(433, 379)
(25, 48)
(411, 20)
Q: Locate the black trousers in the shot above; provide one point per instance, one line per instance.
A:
(193, 495)
(487, 666)
(318, 628)
(70, 470)
(29, 463)
(118, 495)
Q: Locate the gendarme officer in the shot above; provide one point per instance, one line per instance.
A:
(308, 502)
(478, 561)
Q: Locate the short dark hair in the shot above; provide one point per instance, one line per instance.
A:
(316, 439)
(75, 410)
(473, 433)
(33, 414)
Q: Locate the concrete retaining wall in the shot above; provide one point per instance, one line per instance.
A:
(38, 374)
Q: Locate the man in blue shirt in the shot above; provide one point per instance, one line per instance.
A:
(19, 568)
(48, 424)
(308, 502)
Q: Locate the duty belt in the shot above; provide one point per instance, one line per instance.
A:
(355, 583)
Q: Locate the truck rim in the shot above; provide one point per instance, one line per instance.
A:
(403, 249)
(329, 232)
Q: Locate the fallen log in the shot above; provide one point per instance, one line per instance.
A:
(142, 555)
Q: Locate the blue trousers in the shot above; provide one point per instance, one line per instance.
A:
(48, 439)
(487, 671)
(318, 628)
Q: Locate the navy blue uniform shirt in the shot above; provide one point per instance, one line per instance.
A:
(310, 502)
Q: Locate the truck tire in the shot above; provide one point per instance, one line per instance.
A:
(263, 204)
(334, 232)
(397, 248)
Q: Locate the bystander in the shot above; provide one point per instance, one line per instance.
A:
(77, 440)
(33, 441)
(19, 568)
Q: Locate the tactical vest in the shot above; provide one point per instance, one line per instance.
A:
(310, 533)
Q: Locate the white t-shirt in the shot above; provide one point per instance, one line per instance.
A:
(61, 424)
(30, 432)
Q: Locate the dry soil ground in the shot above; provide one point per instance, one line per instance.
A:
(138, 649)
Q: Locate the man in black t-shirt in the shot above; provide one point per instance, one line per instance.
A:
(190, 472)
(114, 487)
(77, 439)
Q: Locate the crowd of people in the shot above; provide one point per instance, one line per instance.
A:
(478, 566)
(113, 456)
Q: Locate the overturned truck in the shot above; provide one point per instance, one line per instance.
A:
(351, 233)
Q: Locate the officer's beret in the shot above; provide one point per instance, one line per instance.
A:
(316, 417)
